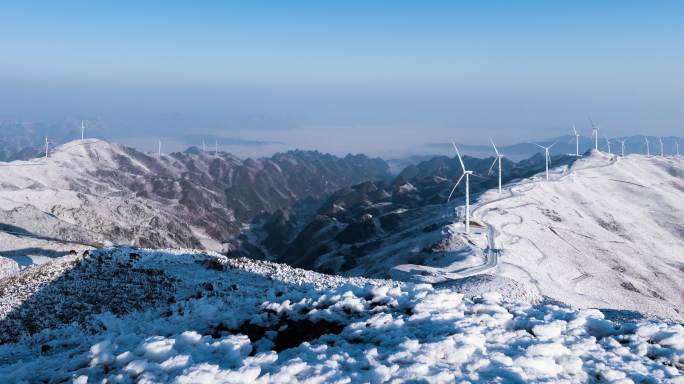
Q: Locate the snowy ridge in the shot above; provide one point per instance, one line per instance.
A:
(93, 193)
(605, 232)
(239, 320)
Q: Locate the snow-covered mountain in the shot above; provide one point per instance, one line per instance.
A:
(93, 192)
(359, 229)
(605, 232)
(577, 279)
(129, 315)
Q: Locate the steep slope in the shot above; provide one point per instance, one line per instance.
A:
(367, 228)
(190, 317)
(92, 191)
(608, 234)
(605, 232)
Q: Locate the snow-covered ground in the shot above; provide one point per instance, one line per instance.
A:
(607, 232)
(56, 205)
(180, 316)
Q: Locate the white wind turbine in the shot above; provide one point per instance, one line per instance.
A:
(47, 147)
(677, 146)
(608, 144)
(595, 133)
(498, 158)
(547, 157)
(82, 131)
(216, 151)
(577, 136)
(622, 147)
(662, 151)
(467, 174)
(648, 147)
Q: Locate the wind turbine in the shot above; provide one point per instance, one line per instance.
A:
(648, 147)
(47, 147)
(546, 156)
(608, 143)
(577, 136)
(82, 131)
(622, 147)
(467, 174)
(677, 146)
(595, 133)
(662, 152)
(497, 158)
(216, 151)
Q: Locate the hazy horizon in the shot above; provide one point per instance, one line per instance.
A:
(381, 78)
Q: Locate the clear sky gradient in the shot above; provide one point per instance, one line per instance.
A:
(346, 75)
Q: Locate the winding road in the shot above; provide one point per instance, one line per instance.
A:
(480, 210)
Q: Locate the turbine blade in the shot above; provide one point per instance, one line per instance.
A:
(454, 188)
(495, 150)
(492, 167)
(554, 143)
(539, 146)
(459, 155)
(574, 130)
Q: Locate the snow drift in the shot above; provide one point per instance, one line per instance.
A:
(205, 318)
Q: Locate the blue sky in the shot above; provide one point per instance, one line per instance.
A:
(306, 71)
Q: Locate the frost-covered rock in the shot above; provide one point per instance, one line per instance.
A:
(239, 320)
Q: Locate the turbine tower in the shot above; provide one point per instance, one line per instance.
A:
(467, 174)
(677, 146)
(577, 136)
(498, 158)
(82, 131)
(622, 147)
(47, 147)
(662, 152)
(595, 133)
(216, 151)
(159, 150)
(648, 147)
(608, 144)
(547, 157)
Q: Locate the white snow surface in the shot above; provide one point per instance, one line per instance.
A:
(370, 330)
(607, 232)
(50, 205)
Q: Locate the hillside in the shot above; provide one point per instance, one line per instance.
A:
(192, 317)
(362, 228)
(605, 232)
(93, 192)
